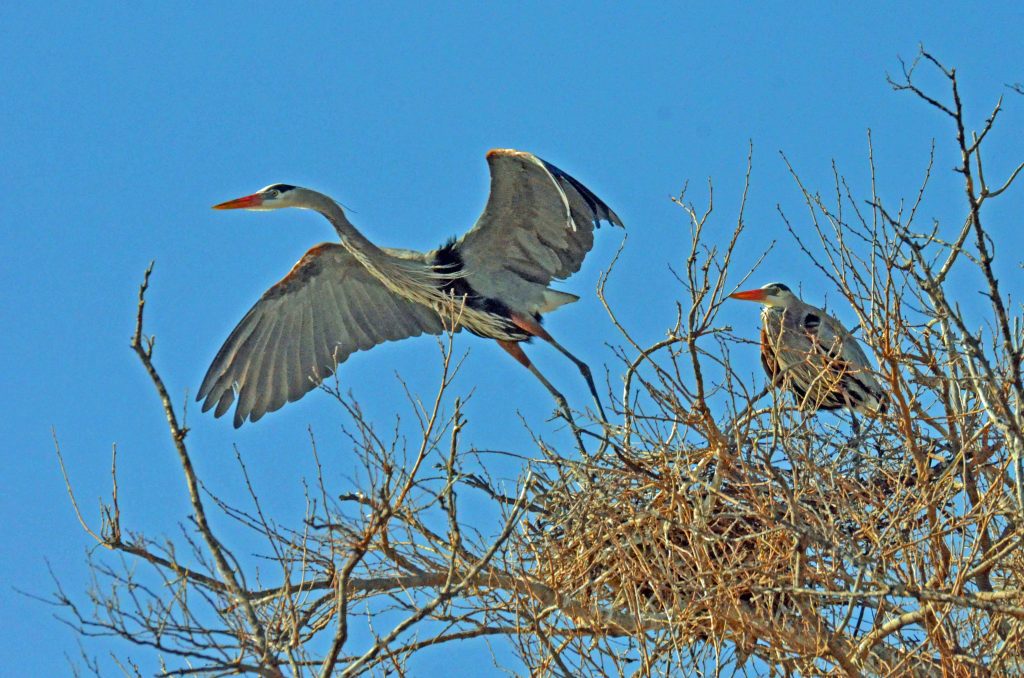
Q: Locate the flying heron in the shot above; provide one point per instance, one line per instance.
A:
(809, 353)
(537, 226)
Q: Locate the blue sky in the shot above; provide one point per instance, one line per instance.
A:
(119, 128)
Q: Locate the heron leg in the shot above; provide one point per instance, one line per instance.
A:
(516, 351)
(536, 330)
(855, 424)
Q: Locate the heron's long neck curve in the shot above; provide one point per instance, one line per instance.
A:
(351, 238)
(408, 279)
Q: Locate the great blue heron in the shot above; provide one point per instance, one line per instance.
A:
(537, 226)
(809, 353)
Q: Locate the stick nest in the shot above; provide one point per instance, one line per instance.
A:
(661, 543)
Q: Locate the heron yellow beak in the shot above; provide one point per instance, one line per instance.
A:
(245, 202)
(750, 295)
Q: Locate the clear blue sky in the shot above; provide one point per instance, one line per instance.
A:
(119, 129)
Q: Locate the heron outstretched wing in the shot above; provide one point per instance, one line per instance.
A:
(326, 308)
(538, 223)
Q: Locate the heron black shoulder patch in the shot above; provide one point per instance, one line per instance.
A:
(448, 261)
(447, 257)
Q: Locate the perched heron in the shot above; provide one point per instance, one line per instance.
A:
(808, 352)
(536, 227)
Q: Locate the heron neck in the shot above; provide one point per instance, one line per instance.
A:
(405, 278)
(773, 313)
(351, 238)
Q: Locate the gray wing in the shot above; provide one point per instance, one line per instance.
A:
(832, 336)
(326, 308)
(826, 365)
(538, 223)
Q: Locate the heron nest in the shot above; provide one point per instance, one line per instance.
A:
(667, 544)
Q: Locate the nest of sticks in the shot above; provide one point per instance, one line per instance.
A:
(664, 544)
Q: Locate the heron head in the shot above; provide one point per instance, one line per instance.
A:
(772, 294)
(274, 196)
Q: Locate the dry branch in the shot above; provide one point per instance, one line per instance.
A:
(716, 523)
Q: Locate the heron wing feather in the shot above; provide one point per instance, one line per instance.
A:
(538, 224)
(827, 367)
(326, 308)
